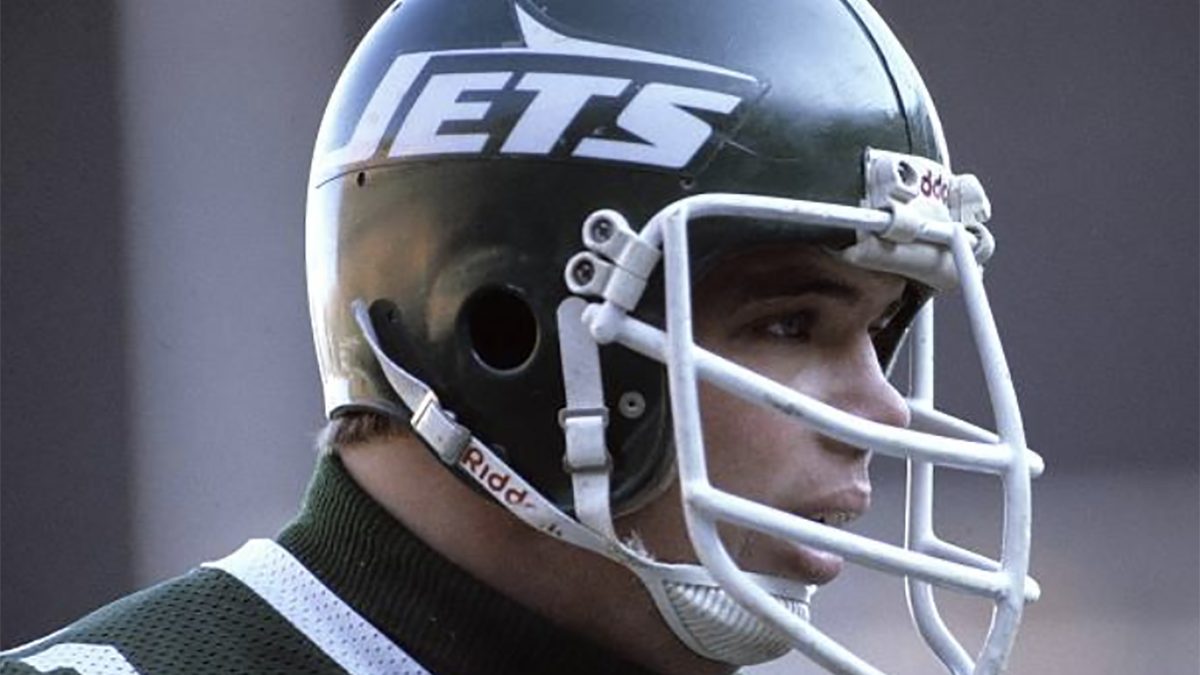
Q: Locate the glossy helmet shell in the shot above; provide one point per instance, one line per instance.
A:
(457, 237)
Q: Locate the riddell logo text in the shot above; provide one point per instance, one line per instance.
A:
(556, 96)
(935, 186)
(496, 481)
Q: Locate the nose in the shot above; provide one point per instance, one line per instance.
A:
(860, 387)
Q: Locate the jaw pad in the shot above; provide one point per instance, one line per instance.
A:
(722, 630)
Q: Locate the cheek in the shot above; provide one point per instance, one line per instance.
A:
(753, 451)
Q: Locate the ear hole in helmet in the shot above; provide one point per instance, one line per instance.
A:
(501, 328)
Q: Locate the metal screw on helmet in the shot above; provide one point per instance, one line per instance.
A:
(602, 230)
(583, 271)
(631, 405)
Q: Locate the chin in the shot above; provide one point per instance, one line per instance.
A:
(793, 561)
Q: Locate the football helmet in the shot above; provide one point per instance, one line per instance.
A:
(509, 203)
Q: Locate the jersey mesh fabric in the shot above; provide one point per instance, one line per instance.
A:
(205, 622)
(87, 659)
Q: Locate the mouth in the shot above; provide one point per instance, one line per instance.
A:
(816, 566)
(834, 518)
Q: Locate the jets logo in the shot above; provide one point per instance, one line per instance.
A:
(556, 96)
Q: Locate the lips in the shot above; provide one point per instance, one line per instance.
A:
(812, 565)
(835, 509)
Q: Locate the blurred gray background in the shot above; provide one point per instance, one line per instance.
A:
(159, 396)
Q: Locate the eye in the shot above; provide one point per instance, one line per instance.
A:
(794, 326)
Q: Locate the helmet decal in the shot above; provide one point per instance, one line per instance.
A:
(555, 96)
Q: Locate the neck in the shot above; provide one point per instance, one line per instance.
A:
(579, 591)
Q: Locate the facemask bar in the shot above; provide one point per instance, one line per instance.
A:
(918, 523)
(918, 533)
(964, 446)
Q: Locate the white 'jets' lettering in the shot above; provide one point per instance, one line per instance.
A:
(438, 103)
(673, 135)
(559, 99)
(670, 134)
(658, 115)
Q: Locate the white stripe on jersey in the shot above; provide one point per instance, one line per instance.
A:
(287, 586)
(82, 658)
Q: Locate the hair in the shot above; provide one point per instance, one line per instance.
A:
(356, 427)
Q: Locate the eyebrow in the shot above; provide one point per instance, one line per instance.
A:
(764, 286)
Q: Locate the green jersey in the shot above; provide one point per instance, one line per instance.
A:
(345, 588)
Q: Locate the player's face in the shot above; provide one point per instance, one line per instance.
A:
(806, 320)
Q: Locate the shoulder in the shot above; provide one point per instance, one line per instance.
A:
(206, 621)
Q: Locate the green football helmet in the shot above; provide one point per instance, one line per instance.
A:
(466, 146)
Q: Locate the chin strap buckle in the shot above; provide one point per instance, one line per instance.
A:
(430, 421)
(584, 431)
(436, 426)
